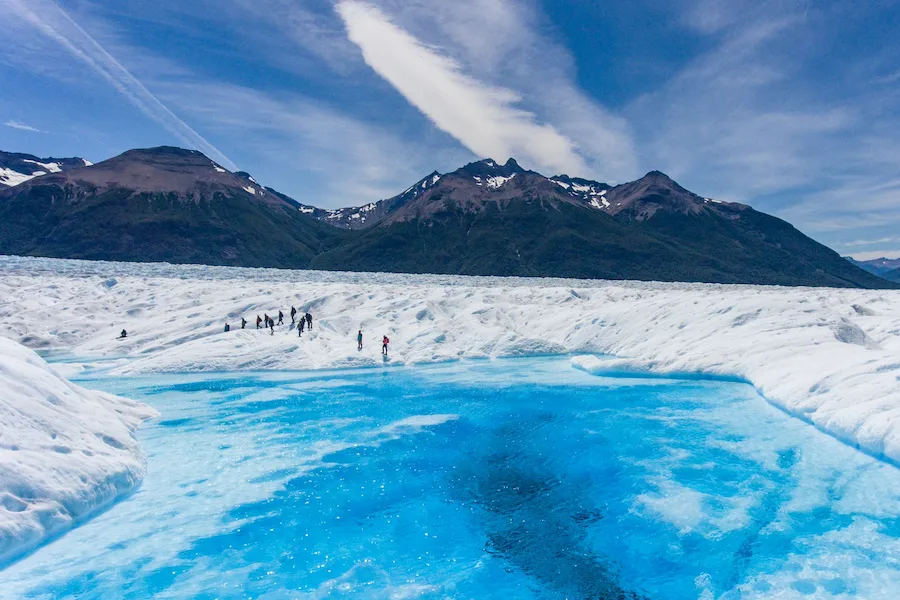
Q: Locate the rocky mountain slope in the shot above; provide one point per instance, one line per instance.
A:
(161, 204)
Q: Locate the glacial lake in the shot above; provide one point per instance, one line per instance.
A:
(519, 478)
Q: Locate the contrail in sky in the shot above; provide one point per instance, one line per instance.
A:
(65, 31)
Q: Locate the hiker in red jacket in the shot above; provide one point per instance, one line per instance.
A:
(384, 345)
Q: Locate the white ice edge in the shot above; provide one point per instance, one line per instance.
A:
(65, 452)
(829, 356)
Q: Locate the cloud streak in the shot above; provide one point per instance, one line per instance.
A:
(54, 23)
(22, 126)
(341, 160)
(485, 119)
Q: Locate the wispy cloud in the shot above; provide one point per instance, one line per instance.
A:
(54, 23)
(22, 126)
(754, 119)
(483, 118)
(311, 151)
(873, 254)
(884, 240)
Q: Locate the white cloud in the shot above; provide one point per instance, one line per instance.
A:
(23, 126)
(488, 119)
(884, 240)
(872, 255)
(54, 23)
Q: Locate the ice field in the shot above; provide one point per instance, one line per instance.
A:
(704, 487)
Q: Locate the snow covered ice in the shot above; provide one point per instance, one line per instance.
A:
(827, 356)
(65, 451)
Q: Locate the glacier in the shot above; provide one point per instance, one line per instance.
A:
(828, 356)
(65, 452)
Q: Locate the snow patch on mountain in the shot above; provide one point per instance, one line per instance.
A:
(51, 167)
(11, 178)
(496, 182)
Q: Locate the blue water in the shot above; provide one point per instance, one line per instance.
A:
(493, 479)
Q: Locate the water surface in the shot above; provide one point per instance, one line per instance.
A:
(516, 478)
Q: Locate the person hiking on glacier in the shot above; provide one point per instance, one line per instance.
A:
(300, 326)
(267, 319)
(280, 318)
(123, 335)
(243, 322)
(293, 313)
(384, 345)
(359, 341)
(227, 327)
(258, 321)
(272, 326)
(308, 318)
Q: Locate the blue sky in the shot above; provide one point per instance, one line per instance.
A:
(790, 106)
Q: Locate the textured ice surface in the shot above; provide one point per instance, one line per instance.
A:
(65, 451)
(831, 357)
(479, 479)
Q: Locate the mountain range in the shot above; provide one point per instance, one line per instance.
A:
(886, 268)
(486, 218)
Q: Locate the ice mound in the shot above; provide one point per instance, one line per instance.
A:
(65, 452)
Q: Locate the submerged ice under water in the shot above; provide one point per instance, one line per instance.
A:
(519, 478)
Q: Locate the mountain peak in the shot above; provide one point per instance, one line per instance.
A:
(488, 167)
(658, 177)
(162, 151)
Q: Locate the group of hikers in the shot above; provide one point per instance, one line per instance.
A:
(305, 321)
(267, 322)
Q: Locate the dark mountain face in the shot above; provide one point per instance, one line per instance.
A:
(16, 168)
(492, 219)
(159, 204)
(893, 275)
(486, 218)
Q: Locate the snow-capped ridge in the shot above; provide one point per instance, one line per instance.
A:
(17, 168)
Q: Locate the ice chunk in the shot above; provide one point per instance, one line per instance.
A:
(65, 452)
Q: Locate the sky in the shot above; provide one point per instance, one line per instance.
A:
(791, 106)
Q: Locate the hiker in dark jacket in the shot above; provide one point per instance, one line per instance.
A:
(272, 325)
(227, 327)
(280, 318)
(301, 325)
(243, 322)
(267, 319)
(258, 321)
(308, 320)
(359, 340)
(293, 313)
